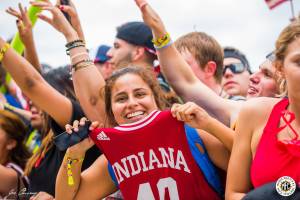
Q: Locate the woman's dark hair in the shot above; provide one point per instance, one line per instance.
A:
(147, 75)
(15, 130)
(60, 79)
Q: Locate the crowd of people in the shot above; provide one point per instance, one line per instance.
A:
(151, 118)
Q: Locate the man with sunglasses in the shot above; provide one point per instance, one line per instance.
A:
(236, 72)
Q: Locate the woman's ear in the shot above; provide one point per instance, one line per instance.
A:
(11, 144)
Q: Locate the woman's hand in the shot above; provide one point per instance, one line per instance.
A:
(72, 12)
(58, 20)
(191, 114)
(24, 24)
(150, 17)
(84, 145)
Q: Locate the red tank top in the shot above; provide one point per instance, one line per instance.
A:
(274, 158)
(152, 160)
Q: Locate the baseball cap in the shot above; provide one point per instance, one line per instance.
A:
(101, 56)
(137, 33)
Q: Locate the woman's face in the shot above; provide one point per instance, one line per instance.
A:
(291, 67)
(132, 99)
(36, 120)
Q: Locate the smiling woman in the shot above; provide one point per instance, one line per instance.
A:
(150, 154)
(132, 81)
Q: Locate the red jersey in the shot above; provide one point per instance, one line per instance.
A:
(274, 158)
(151, 159)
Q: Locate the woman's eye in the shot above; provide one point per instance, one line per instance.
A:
(121, 99)
(140, 94)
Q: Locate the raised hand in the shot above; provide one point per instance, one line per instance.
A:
(141, 3)
(58, 20)
(191, 114)
(23, 23)
(72, 12)
(150, 17)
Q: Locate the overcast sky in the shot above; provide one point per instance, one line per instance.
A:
(245, 24)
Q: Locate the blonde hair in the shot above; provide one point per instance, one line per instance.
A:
(286, 37)
(204, 48)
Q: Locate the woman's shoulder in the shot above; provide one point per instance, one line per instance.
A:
(257, 110)
(260, 105)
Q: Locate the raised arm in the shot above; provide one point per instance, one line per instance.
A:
(29, 79)
(181, 77)
(26, 35)
(36, 88)
(88, 81)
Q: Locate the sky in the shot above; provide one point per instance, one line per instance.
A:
(248, 25)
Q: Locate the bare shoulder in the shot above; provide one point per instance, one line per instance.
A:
(259, 105)
(257, 110)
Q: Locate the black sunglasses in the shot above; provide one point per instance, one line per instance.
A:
(236, 68)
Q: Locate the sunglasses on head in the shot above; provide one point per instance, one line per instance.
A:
(236, 68)
(271, 56)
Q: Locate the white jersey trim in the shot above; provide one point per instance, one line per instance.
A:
(140, 121)
(147, 120)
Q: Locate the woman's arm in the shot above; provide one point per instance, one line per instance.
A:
(181, 77)
(26, 35)
(238, 176)
(36, 88)
(216, 150)
(94, 183)
(198, 118)
(88, 82)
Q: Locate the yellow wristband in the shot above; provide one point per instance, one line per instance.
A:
(159, 41)
(3, 51)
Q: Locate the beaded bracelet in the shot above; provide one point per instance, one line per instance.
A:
(77, 55)
(73, 42)
(3, 50)
(82, 65)
(81, 61)
(70, 162)
(75, 45)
